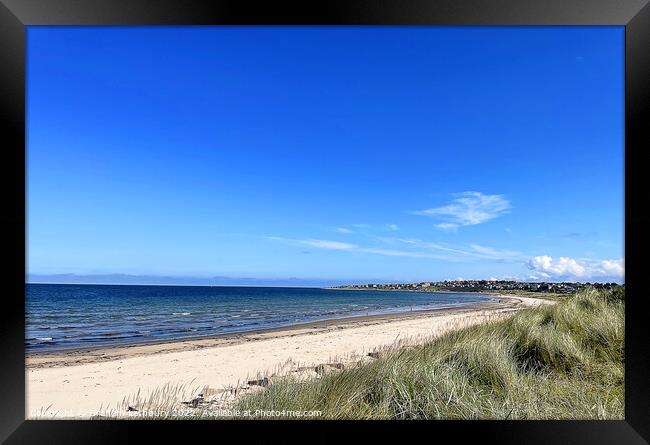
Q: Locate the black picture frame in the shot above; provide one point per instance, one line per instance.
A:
(15, 15)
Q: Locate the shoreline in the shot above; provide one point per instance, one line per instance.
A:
(101, 353)
(61, 347)
(89, 382)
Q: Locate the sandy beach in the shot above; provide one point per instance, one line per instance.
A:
(81, 383)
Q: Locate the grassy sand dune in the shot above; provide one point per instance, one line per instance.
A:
(563, 361)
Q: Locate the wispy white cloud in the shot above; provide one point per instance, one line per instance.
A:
(327, 244)
(565, 268)
(398, 253)
(360, 228)
(411, 248)
(468, 209)
(316, 243)
(341, 246)
(492, 252)
(466, 251)
(420, 244)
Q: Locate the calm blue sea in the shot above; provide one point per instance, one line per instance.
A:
(61, 316)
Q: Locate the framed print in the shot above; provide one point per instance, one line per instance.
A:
(248, 217)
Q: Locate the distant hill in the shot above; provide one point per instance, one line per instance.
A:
(185, 281)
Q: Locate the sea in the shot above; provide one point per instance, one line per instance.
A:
(67, 316)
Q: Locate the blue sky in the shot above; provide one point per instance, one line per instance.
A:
(356, 153)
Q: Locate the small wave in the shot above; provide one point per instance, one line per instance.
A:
(109, 337)
(230, 325)
(183, 330)
(181, 313)
(43, 339)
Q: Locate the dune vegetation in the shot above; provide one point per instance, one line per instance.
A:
(561, 361)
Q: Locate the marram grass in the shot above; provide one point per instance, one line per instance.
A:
(562, 361)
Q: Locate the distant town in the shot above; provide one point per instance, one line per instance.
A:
(484, 286)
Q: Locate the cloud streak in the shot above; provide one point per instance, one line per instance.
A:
(411, 248)
(468, 209)
(316, 243)
(469, 251)
(341, 246)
